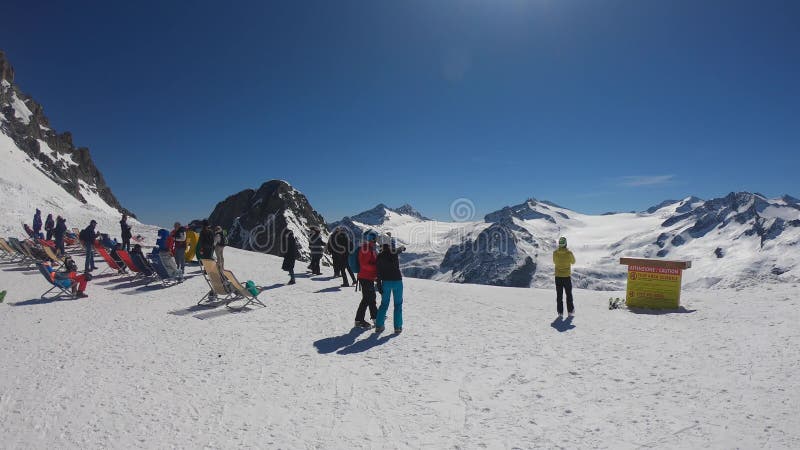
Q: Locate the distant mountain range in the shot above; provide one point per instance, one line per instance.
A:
(737, 240)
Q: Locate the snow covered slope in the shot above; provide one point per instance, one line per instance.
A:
(24, 187)
(476, 367)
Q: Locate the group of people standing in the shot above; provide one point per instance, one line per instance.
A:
(210, 242)
(54, 230)
(375, 261)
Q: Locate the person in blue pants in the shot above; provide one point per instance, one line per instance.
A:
(390, 284)
(87, 236)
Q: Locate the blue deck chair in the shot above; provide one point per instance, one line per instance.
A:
(63, 286)
(161, 271)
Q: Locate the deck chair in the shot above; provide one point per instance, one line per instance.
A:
(52, 255)
(62, 291)
(161, 272)
(108, 259)
(244, 298)
(220, 290)
(27, 259)
(141, 263)
(136, 271)
(9, 254)
(35, 250)
(46, 243)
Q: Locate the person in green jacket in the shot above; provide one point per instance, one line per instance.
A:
(563, 259)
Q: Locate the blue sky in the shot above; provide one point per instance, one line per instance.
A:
(595, 105)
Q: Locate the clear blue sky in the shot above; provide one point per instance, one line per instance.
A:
(595, 105)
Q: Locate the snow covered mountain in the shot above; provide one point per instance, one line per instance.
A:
(22, 119)
(739, 240)
(255, 219)
(42, 169)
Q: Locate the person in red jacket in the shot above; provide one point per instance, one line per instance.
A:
(368, 273)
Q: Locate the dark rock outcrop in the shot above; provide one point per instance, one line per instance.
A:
(256, 219)
(494, 257)
(23, 120)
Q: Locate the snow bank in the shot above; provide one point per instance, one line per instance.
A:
(476, 366)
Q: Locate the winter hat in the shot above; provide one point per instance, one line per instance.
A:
(384, 240)
(562, 242)
(370, 235)
(93, 222)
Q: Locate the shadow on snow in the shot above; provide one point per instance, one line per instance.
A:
(562, 325)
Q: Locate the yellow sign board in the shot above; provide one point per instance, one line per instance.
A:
(654, 283)
(653, 287)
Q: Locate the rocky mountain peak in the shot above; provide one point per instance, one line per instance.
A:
(529, 210)
(23, 120)
(256, 219)
(6, 70)
(409, 210)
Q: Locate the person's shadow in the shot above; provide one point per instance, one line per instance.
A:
(363, 345)
(331, 344)
(562, 325)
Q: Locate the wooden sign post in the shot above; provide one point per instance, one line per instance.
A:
(654, 283)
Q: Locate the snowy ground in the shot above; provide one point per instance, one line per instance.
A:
(476, 366)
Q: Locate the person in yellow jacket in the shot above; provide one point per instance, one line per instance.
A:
(563, 259)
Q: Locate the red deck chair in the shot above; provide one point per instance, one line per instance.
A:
(107, 257)
(126, 258)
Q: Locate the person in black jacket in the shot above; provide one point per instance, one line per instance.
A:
(339, 247)
(48, 227)
(290, 253)
(87, 236)
(58, 233)
(126, 233)
(317, 247)
(37, 224)
(205, 244)
(390, 283)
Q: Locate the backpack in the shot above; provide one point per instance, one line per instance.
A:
(352, 260)
(84, 235)
(251, 288)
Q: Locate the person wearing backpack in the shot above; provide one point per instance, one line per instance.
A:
(179, 246)
(48, 227)
(220, 241)
(367, 274)
(390, 284)
(87, 236)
